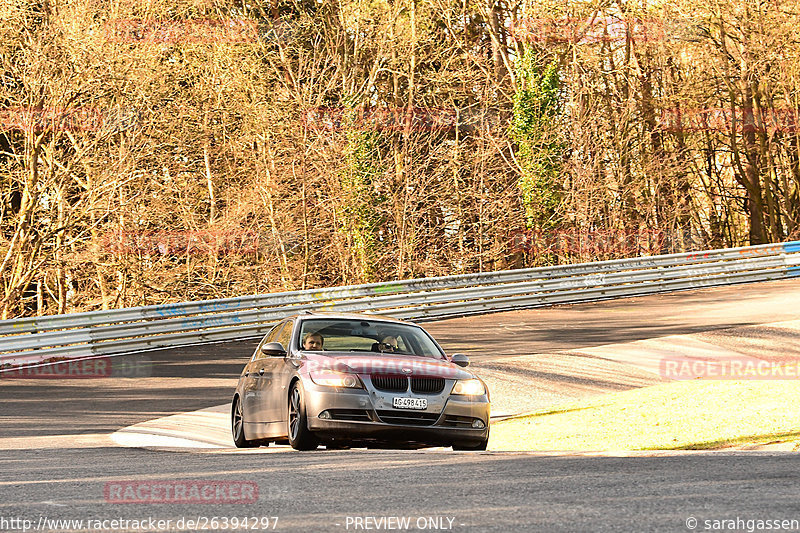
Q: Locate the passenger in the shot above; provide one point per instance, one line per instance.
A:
(313, 341)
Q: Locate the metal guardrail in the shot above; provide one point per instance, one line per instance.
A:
(124, 330)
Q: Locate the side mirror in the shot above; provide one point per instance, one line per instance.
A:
(460, 359)
(273, 349)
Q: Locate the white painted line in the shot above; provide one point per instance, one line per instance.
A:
(130, 439)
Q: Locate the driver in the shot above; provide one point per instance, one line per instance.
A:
(390, 340)
(313, 341)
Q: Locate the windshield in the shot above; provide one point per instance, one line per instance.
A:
(343, 335)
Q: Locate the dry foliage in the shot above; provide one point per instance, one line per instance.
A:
(155, 151)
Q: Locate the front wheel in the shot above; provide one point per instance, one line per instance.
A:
(481, 446)
(471, 447)
(300, 437)
(237, 426)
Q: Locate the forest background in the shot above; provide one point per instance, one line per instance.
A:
(157, 151)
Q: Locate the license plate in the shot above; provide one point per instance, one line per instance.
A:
(410, 403)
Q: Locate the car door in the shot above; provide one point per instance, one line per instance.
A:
(274, 380)
(254, 401)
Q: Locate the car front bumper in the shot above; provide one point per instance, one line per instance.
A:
(364, 414)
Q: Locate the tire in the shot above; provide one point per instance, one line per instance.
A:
(471, 447)
(237, 426)
(300, 437)
(481, 446)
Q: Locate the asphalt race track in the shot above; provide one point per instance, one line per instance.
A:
(56, 461)
(484, 492)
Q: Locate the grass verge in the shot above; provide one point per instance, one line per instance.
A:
(696, 414)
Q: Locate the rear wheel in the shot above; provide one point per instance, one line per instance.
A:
(300, 437)
(237, 426)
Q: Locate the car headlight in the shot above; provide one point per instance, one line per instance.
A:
(469, 387)
(331, 378)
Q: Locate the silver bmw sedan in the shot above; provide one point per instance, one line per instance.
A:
(357, 380)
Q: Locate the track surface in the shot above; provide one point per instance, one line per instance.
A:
(45, 472)
(314, 492)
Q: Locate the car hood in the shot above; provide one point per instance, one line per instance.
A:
(408, 365)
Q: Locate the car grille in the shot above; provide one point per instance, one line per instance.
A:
(408, 418)
(390, 383)
(427, 385)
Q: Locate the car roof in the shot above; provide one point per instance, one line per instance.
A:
(352, 316)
